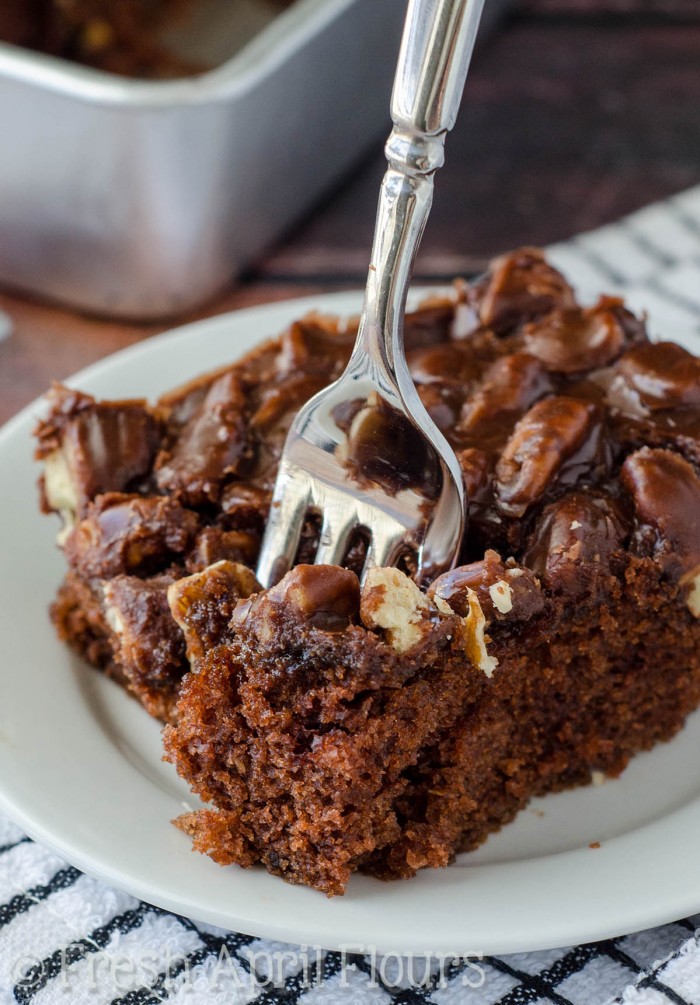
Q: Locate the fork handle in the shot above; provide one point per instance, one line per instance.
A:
(436, 48)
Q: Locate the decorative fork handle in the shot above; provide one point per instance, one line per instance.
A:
(436, 48)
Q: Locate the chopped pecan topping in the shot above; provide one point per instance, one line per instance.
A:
(475, 472)
(90, 447)
(510, 386)
(202, 604)
(549, 434)
(518, 287)
(213, 445)
(326, 597)
(431, 323)
(572, 340)
(505, 592)
(314, 346)
(441, 403)
(665, 491)
(280, 402)
(576, 541)
(245, 506)
(449, 362)
(126, 534)
(663, 375)
(214, 544)
(475, 636)
(393, 603)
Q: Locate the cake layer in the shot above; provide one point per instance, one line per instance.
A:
(325, 743)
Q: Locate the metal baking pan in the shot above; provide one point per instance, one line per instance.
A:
(142, 199)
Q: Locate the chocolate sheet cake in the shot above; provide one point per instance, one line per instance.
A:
(332, 727)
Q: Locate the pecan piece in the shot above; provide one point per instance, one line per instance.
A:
(124, 534)
(575, 542)
(542, 441)
(279, 403)
(314, 346)
(212, 445)
(202, 605)
(475, 473)
(518, 287)
(572, 340)
(431, 323)
(510, 386)
(245, 506)
(452, 362)
(665, 490)
(320, 596)
(505, 591)
(441, 403)
(663, 375)
(213, 544)
(89, 447)
(392, 603)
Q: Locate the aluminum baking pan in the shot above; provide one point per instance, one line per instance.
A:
(142, 199)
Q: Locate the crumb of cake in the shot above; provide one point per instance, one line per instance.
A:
(594, 844)
(502, 596)
(598, 777)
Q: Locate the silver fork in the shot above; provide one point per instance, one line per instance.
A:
(386, 468)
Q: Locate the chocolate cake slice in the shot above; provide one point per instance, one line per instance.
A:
(332, 728)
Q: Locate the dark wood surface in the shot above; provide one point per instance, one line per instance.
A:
(575, 113)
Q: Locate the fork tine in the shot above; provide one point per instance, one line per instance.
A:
(290, 503)
(335, 534)
(384, 549)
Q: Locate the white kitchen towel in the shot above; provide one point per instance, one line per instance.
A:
(67, 939)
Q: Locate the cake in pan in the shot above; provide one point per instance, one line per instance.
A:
(136, 38)
(332, 727)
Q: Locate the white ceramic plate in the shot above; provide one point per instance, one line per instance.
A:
(80, 765)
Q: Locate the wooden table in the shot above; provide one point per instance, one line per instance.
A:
(572, 117)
